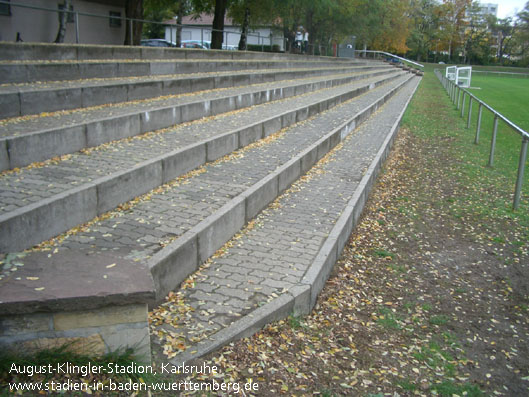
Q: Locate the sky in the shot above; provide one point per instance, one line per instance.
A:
(507, 8)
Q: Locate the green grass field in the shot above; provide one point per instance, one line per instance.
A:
(510, 97)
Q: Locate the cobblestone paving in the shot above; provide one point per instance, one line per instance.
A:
(19, 189)
(272, 255)
(145, 228)
(26, 124)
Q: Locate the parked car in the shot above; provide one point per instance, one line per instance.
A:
(196, 44)
(157, 43)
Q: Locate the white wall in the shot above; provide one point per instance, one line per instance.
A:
(42, 26)
(231, 36)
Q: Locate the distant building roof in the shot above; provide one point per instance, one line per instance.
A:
(201, 20)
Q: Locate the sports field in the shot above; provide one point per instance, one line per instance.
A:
(510, 97)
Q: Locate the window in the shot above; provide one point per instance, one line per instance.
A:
(70, 16)
(114, 21)
(5, 9)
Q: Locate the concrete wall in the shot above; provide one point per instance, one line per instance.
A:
(42, 26)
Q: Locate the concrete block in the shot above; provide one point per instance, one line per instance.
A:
(202, 84)
(241, 80)
(334, 139)
(110, 315)
(95, 52)
(222, 105)
(223, 81)
(319, 271)
(84, 345)
(14, 73)
(308, 159)
(289, 173)
(343, 229)
(323, 147)
(244, 101)
(301, 294)
(271, 125)
(127, 69)
(222, 145)
(4, 155)
(185, 67)
(53, 72)
(118, 188)
(170, 266)
(181, 161)
(159, 118)
(144, 90)
(122, 52)
(217, 229)
(119, 338)
(98, 70)
(103, 131)
(250, 134)
(209, 67)
(50, 100)
(9, 105)
(19, 324)
(93, 96)
(178, 86)
(40, 146)
(314, 109)
(33, 224)
(260, 195)
(195, 111)
(288, 119)
(302, 114)
(161, 68)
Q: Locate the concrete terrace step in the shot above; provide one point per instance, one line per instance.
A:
(31, 98)
(32, 71)
(279, 263)
(42, 202)
(174, 229)
(29, 139)
(47, 51)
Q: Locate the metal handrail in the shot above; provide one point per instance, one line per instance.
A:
(391, 55)
(455, 91)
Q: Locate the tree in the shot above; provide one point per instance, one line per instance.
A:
(133, 10)
(63, 19)
(425, 28)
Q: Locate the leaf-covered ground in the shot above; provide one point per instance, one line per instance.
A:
(431, 294)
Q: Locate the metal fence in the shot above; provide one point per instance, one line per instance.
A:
(457, 95)
(265, 42)
(387, 55)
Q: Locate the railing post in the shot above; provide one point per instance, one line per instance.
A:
(77, 27)
(202, 36)
(131, 29)
(469, 111)
(478, 128)
(493, 141)
(458, 96)
(463, 105)
(521, 169)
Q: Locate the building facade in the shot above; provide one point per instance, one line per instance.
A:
(41, 24)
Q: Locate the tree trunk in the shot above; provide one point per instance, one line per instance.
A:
(134, 10)
(63, 19)
(217, 35)
(180, 16)
(244, 30)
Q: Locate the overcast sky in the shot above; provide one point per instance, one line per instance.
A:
(507, 8)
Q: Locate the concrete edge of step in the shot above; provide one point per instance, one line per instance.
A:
(35, 223)
(24, 102)
(21, 150)
(301, 299)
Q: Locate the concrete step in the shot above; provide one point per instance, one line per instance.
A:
(171, 231)
(279, 263)
(43, 201)
(33, 71)
(29, 139)
(32, 98)
(51, 51)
